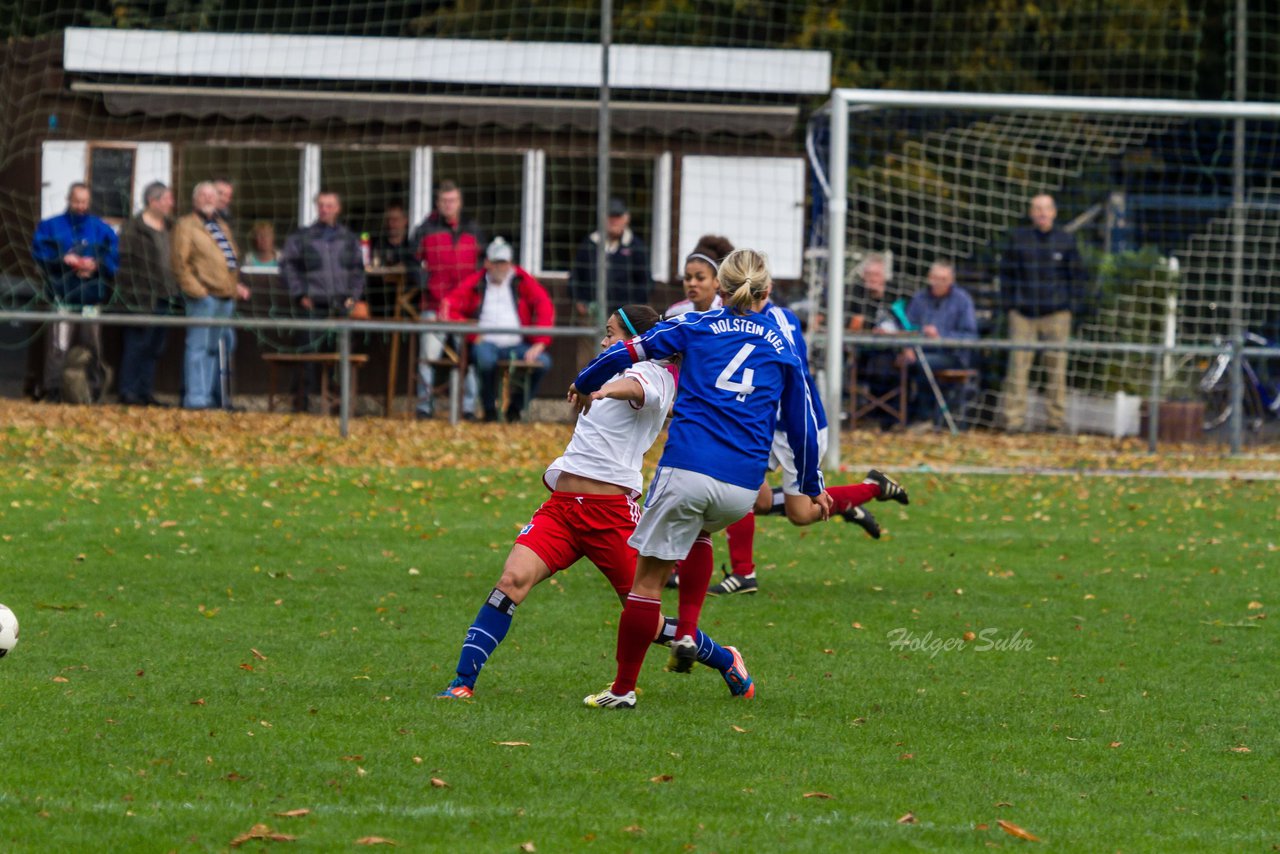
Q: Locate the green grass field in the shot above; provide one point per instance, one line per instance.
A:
(204, 649)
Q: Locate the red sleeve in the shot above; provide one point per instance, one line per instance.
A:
(463, 303)
(542, 311)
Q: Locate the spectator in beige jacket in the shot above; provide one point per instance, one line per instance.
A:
(206, 264)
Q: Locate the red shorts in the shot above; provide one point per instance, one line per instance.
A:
(569, 526)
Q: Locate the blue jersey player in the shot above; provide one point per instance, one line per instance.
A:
(788, 500)
(737, 367)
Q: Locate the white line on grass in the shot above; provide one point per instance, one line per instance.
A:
(152, 808)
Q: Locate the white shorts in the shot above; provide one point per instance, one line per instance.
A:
(781, 456)
(679, 505)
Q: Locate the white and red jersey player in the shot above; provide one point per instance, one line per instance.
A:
(609, 444)
(592, 511)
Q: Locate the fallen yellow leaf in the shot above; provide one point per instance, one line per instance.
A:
(260, 831)
(1013, 830)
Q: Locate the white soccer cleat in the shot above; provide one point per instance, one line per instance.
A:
(606, 699)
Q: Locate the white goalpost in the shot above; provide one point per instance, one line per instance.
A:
(846, 104)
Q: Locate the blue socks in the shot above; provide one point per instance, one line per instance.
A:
(485, 634)
(494, 620)
(709, 652)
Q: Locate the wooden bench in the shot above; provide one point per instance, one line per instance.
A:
(329, 400)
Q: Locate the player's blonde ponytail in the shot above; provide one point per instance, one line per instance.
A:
(744, 279)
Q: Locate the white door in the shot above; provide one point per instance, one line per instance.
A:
(62, 163)
(756, 202)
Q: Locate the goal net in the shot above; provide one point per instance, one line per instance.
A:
(1146, 192)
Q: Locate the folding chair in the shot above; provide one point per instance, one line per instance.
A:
(863, 401)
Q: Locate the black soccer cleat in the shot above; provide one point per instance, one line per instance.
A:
(890, 489)
(734, 583)
(862, 518)
(684, 654)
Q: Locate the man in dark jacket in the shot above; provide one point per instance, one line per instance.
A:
(145, 285)
(1042, 282)
(629, 279)
(78, 254)
(322, 267)
(450, 247)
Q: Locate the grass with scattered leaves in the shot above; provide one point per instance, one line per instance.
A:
(237, 654)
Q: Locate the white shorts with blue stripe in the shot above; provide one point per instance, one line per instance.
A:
(680, 504)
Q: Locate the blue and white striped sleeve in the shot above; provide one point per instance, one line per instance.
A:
(663, 340)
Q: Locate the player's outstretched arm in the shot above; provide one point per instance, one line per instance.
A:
(627, 388)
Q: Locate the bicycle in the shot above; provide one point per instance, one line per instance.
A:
(1261, 396)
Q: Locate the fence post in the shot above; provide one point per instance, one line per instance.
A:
(344, 380)
(1153, 405)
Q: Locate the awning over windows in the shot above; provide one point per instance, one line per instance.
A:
(434, 82)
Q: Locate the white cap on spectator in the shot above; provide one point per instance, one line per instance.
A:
(499, 250)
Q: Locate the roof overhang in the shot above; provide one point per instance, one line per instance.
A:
(461, 61)
(399, 80)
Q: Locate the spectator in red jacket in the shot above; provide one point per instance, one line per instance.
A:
(450, 248)
(504, 297)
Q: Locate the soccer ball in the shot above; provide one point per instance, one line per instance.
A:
(8, 631)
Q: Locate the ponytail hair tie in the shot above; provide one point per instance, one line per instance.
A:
(622, 315)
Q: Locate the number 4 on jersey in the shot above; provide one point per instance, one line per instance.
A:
(726, 381)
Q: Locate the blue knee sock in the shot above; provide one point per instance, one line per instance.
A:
(485, 634)
(709, 652)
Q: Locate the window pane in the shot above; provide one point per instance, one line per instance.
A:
(571, 203)
(492, 187)
(367, 182)
(111, 182)
(267, 182)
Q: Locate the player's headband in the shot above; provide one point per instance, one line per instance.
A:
(626, 321)
(698, 256)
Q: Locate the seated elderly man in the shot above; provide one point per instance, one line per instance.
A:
(942, 310)
(503, 296)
